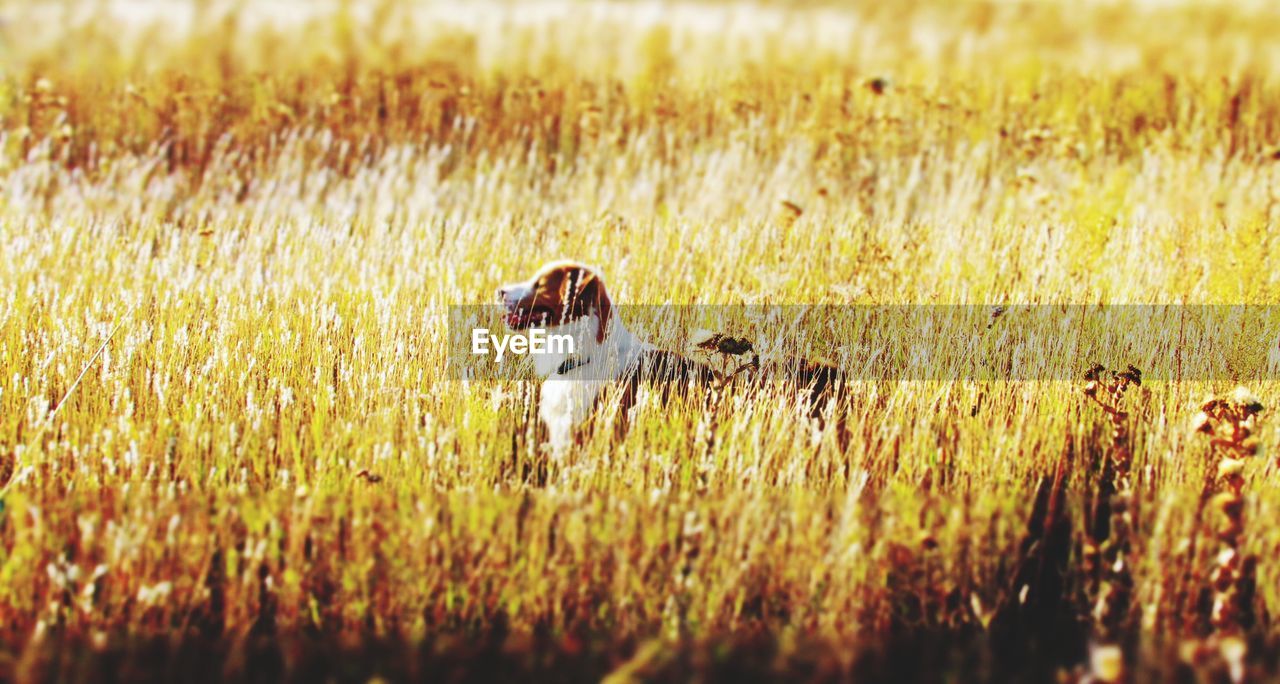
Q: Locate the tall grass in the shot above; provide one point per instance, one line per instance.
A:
(259, 215)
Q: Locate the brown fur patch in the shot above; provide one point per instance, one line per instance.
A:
(564, 292)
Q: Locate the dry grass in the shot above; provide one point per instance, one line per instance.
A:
(267, 464)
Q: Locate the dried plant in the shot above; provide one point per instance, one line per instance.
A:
(1229, 422)
(1107, 552)
(730, 355)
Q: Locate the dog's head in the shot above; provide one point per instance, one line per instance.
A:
(561, 292)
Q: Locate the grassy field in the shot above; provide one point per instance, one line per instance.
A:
(229, 446)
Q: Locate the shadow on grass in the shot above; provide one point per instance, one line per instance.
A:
(498, 654)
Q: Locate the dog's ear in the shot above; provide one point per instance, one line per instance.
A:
(604, 308)
(585, 294)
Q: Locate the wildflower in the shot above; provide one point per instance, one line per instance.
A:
(1094, 371)
(735, 346)
(1243, 398)
(155, 593)
(1222, 612)
(1230, 468)
(1132, 374)
(1201, 422)
(1212, 405)
(704, 339)
(1229, 503)
(1194, 651)
(1233, 650)
(791, 212)
(1229, 530)
(1106, 662)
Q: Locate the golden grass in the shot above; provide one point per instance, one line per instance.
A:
(276, 204)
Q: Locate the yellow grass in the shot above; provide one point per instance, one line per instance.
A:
(275, 205)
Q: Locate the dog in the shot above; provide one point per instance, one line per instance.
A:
(570, 298)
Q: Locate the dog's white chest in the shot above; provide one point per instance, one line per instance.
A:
(564, 405)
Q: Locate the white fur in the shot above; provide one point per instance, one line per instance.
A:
(567, 399)
(514, 293)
